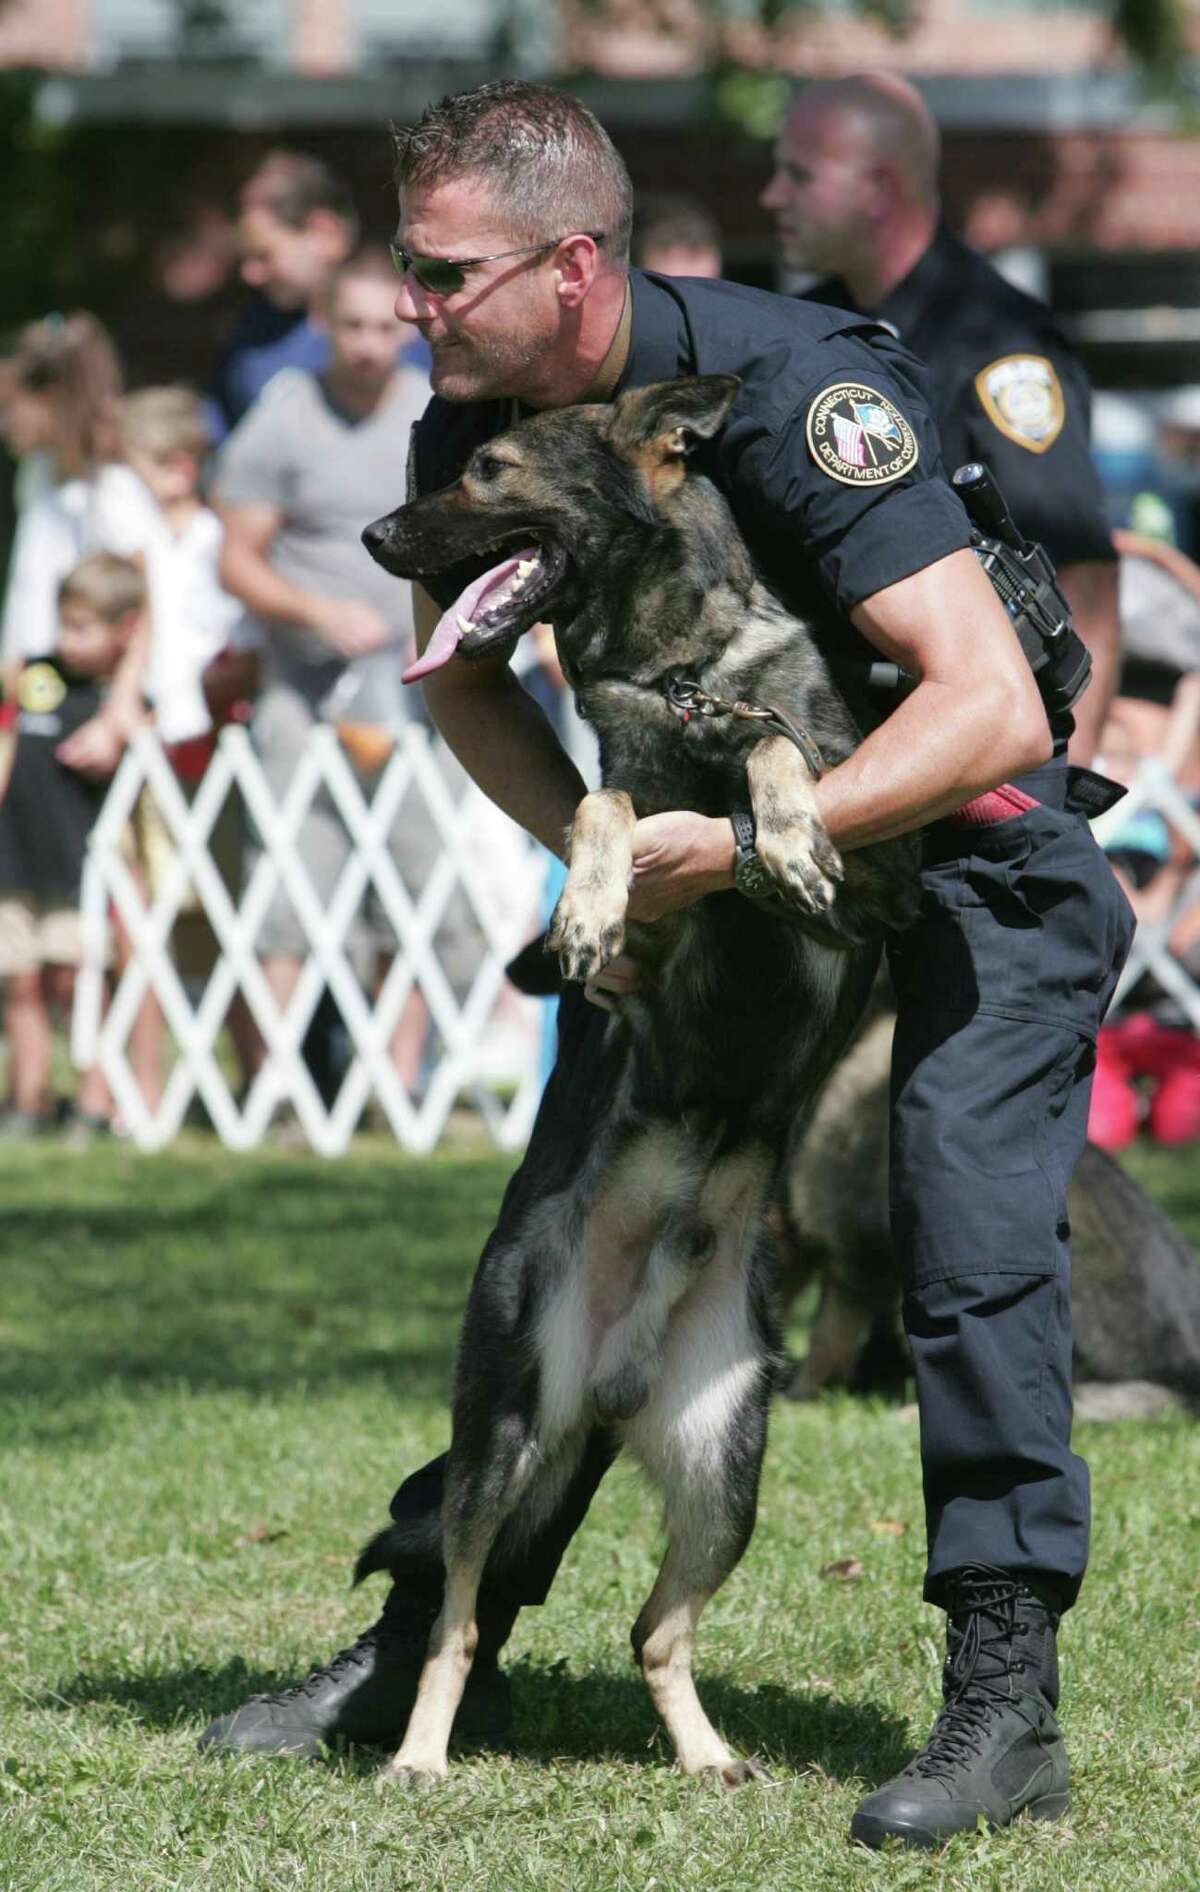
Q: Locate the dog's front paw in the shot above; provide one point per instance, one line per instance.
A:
(804, 864)
(407, 1779)
(587, 933)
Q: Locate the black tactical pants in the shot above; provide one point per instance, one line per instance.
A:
(1001, 986)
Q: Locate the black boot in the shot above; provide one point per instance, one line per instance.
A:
(995, 1748)
(364, 1695)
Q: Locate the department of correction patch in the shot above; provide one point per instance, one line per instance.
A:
(857, 436)
(1023, 398)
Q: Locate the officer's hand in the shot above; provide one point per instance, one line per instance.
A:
(619, 978)
(350, 628)
(677, 859)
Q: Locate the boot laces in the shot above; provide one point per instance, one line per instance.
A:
(349, 1658)
(980, 1662)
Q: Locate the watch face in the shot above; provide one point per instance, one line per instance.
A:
(751, 878)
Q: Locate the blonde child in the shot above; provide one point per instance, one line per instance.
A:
(163, 440)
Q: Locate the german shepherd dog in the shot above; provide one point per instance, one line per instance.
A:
(629, 1291)
(1135, 1281)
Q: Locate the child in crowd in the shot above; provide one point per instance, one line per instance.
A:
(46, 815)
(58, 393)
(1148, 1052)
(163, 440)
(202, 662)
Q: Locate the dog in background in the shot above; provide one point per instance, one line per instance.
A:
(629, 1287)
(1135, 1283)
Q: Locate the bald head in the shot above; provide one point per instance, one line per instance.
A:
(855, 190)
(892, 123)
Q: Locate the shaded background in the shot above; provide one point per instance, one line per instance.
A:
(1072, 134)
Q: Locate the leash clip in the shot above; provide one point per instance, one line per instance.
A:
(687, 699)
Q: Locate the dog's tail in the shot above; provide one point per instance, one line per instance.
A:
(410, 1548)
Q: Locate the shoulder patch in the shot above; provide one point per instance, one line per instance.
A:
(1022, 397)
(857, 436)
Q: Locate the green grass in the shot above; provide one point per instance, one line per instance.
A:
(212, 1373)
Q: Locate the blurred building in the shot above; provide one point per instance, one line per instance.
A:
(1056, 152)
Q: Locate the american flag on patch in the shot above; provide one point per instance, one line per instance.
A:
(851, 441)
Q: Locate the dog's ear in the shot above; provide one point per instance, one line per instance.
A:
(666, 419)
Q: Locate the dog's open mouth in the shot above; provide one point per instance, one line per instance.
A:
(493, 609)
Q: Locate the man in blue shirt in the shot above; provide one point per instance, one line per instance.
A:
(296, 225)
(520, 192)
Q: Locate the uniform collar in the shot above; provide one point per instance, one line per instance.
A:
(914, 295)
(604, 383)
(659, 347)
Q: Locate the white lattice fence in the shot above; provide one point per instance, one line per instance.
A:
(1154, 786)
(505, 914)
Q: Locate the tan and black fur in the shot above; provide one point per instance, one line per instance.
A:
(628, 1287)
(1135, 1282)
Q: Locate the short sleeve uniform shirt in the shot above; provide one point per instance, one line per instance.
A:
(1006, 388)
(829, 457)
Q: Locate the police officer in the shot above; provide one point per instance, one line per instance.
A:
(855, 199)
(514, 220)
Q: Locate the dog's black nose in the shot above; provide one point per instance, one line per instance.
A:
(375, 536)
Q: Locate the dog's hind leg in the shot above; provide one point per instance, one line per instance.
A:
(422, 1755)
(482, 1487)
(838, 1332)
(702, 1436)
(709, 1521)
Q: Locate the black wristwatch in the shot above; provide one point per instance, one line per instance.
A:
(750, 877)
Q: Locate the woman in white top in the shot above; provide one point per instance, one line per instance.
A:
(57, 418)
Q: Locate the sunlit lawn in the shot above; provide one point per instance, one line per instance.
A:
(213, 1372)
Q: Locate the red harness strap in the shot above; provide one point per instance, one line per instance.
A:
(999, 804)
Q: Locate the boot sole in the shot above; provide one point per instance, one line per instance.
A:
(870, 1831)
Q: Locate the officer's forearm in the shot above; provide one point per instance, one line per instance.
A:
(1091, 590)
(937, 750)
(506, 745)
(501, 737)
(974, 720)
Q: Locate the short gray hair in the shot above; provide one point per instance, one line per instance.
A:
(550, 165)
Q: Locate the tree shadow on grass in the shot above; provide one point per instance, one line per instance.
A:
(294, 1277)
(609, 1716)
(165, 1698)
(560, 1719)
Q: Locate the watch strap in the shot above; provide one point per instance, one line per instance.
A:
(744, 833)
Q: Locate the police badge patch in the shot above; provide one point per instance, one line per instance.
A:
(1023, 398)
(857, 436)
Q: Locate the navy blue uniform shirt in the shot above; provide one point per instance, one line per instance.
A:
(829, 457)
(1006, 388)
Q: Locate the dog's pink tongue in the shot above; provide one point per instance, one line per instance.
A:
(448, 633)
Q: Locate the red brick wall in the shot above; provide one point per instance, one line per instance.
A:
(1105, 191)
(49, 33)
(1071, 190)
(641, 38)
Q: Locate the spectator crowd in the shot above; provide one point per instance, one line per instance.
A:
(184, 558)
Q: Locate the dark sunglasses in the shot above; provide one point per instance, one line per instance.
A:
(442, 275)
